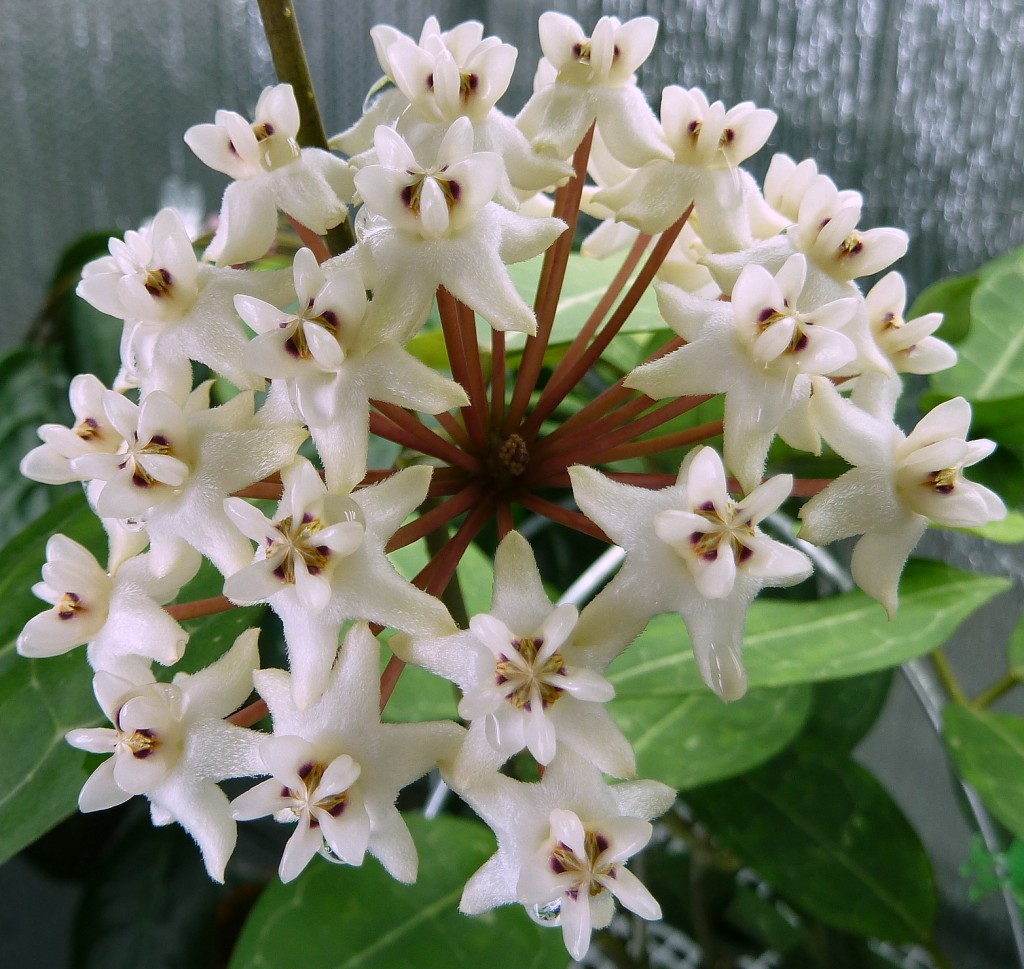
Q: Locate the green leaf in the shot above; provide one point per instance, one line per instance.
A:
(826, 834)
(695, 738)
(331, 916)
(1009, 531)
(952, 298)
(988, 750)
(829, 639)
(843, 711)
(991, 363)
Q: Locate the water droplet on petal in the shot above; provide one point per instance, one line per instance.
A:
(328, 852)
(549, 914)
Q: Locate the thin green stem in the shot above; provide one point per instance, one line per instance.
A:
(948, 677)
(1000, 688)
(281, 27)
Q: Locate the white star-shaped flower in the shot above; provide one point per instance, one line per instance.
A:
(170, 742)
(177, 465)
(708, 143)
(271, 172)
(322, 563)
(333, 364)
(760, 349)
(527, 680)
(594, 83)
(691, 549)
(433, 226)
(562, 845)
(119, 615)
(337, 770)
(175, 309)
(898, 483)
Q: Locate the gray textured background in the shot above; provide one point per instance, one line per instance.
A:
(918, 103)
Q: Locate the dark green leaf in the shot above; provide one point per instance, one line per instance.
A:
(843, 711)
(830, 639)
(988, 750)
(337, 917)
(827, 835)
(694, 738)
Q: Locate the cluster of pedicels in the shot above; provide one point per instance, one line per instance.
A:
(758, 283)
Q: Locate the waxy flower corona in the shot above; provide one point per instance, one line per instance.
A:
(402, 320)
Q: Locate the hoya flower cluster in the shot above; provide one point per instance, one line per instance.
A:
(444, 192)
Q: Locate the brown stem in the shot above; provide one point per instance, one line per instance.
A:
(436, 518)
(311, 240)
(553, 443)
(497, 378)
(434, 578)
(456, 431)
(639, 479)
(585, 450)
(398, 425)
(477, 388)
(247, 716)
(548, 400)
(809, 487)
(563, 516)
(607, 400)
(459, 359)
(506, 523)
(655, 445)
(549, 287)
(199, 607)
(582, 363)
(261, 489)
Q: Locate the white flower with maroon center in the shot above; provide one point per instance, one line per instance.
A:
(92, 432)
(760, 349)
(179, 463)
(333, 364)
(337, 769)
(562, 844)
(299, 549)
(896, 485)
(170, 742)
(424, 226)
(528, 680)
(717, 537)
(690, 549)
(708, 143)
(271, 172)
(580, 870)
(175, 310)
(119, 615)
(594, 83)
